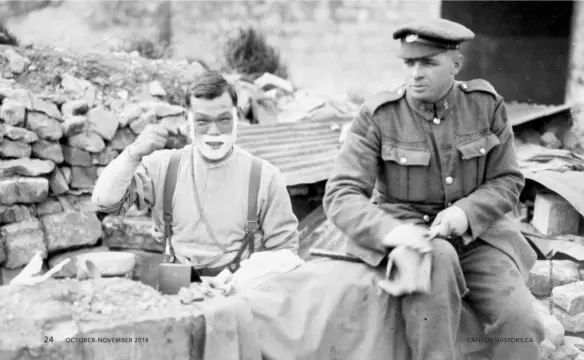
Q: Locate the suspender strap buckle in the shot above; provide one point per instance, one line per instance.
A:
(251, 227)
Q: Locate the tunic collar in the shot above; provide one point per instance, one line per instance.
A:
(437, 110)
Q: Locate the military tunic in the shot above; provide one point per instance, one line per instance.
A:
(423, 158)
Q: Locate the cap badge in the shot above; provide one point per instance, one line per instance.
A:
(412, 38)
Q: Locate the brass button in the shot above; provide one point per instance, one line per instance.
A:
(482, 151)
(464, 86)
(436, 121)
(403, 160)
(426, 218)
(449, 180)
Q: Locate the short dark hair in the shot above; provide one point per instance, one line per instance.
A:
(210, 85)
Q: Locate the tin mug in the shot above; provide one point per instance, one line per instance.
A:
(173, 277)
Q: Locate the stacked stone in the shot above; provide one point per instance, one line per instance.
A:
(558, 286)
(52, 150)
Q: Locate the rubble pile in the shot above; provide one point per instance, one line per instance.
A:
(52, 152)
(559, 289)
(557, 283)
(550, 217)
(102, 318)
(558, 132)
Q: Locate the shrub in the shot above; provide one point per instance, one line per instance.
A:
(247, 52)
(6, 37)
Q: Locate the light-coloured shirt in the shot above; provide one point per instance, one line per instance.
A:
(223, 194)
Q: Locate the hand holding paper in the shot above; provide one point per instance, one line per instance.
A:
(409, 235)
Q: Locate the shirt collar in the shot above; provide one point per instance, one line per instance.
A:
(199, 158)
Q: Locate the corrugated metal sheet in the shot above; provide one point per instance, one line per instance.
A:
(304, 151)
(519, 113)
(317, 232)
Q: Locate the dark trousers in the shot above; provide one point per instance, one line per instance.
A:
(492, 285)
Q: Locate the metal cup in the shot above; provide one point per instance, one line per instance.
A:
(172, 277)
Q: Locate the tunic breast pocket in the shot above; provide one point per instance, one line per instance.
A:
(474, 157)
(406, 172)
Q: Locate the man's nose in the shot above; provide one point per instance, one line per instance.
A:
(213, 129)
(417, 71)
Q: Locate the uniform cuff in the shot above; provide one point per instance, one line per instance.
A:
(369, 256)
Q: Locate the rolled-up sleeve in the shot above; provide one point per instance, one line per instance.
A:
(348, 191)
(279, 224)
(503, 180)
(123, 183)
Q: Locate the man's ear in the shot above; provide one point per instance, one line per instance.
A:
(458, 62)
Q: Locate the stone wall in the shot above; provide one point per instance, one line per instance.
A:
(52, 149)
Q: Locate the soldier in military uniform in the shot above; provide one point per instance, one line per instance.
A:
(442, 152)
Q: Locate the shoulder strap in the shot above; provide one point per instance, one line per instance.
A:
(478, 85)
(384, 97)
(252, 224)
(169, 187)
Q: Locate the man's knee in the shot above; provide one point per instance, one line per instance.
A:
(443, 254)
(446, 270)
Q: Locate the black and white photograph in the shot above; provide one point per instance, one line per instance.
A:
(291, 180)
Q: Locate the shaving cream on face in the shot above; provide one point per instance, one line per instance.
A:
(227, 141)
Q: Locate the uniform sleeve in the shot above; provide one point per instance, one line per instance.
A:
(503, 180)
(279, 224)
(349, 188)
(125, 182)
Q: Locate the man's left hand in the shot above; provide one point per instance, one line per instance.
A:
(449, 222)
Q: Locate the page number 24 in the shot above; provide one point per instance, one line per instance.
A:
(48, 339)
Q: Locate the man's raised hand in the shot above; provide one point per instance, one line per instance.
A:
(152, 138)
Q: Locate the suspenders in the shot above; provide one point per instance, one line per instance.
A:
(169, 186)
(251, 224)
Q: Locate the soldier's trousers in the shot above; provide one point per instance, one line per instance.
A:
(491, 283)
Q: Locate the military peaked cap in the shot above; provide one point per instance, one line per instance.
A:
(430, 37)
